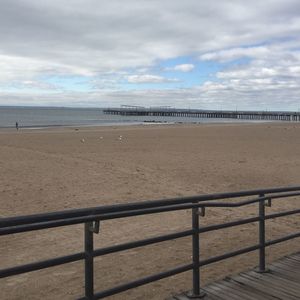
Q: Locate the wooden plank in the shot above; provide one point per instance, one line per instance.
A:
(183, 296)
(274, 279)
(270, 289)
(251, 291)
(294, 261)
(277, 284)
(290, 268)
(210, 296)
(286, 268)
(284, 274)
(221, 293)
(284, 271)
(288, 264)
(234, 293)
(295, 256)
(241, 291)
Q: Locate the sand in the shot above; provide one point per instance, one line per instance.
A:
(56, 169)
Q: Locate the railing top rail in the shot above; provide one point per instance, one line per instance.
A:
(105, 209)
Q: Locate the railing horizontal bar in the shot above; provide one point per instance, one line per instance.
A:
(141, 281)
(282, 214)
(42, 225)
(36, 218)
(78, 220)
(230, 204)
(41, 265)
(138, 212)
(250, 201)
(228, 255)
(282, 195)
(283, 239)
(179, 207)
(145, 242)
(228, 224)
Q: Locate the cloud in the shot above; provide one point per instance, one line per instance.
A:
(182, 68)
(146, 78)
(24, 68)
(93, 38)
(236, 53)
(208, 96)
(100, 36)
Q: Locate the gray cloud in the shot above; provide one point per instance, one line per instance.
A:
(99, 35)
(209, 96)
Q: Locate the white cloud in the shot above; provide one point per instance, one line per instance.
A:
(236, 53)
(183, 68)
(147, 78)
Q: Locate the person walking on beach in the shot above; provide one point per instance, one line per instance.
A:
(17, 125)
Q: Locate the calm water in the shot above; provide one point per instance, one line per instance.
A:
(58, 116)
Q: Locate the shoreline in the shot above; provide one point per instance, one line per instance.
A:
(144, 123)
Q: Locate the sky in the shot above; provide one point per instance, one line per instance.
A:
(234, 54)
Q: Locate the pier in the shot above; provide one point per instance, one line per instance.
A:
(198, 113)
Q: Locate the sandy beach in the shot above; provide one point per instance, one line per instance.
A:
(63, 168)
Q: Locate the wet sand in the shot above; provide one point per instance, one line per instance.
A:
(55, 169)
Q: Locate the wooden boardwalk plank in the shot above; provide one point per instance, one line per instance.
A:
(255, 294)
(281, 283)
(272, 288)
(273, 278)
(256, 285)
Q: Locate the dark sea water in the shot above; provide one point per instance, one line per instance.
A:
(37, 117)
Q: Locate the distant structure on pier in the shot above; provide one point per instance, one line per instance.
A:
(166, 111)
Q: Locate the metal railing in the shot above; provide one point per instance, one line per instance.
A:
(91, 218)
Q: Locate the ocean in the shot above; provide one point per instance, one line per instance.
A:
(39, 117)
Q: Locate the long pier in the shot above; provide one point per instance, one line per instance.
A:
(197, 113)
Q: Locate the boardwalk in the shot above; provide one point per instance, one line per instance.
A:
(281, 282)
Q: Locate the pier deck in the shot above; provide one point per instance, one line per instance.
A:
(281, 282)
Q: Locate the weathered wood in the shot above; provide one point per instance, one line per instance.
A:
(281, 283)
(254, 294)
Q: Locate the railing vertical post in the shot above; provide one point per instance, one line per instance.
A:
(196, 293)
(262, 235)
(89, 261)
(196, 250)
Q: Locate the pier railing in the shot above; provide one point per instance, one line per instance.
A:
(91, 218)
